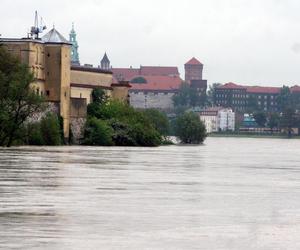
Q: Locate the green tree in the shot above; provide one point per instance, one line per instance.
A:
(288, 120)
(51, 130)
(159, 120)
(211, 94)
(189, 129)
(18, 101)
(252, 105)
(188, 97)
(98, 132)
(260, 118)
(273, 121)
(284, 99)
(129, 127)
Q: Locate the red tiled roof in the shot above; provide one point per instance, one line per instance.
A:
(125, 73)
(158, 83)
(128, 73)
(194, 61)
(295, 89)
(263, 90)
(231, 85)
(158, 71)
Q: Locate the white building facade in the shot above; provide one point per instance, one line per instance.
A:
(218, 119)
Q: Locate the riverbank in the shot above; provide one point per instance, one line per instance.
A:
(269, 136)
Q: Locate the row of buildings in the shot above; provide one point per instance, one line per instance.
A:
(241, 98)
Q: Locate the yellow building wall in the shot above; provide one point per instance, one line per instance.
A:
(91, 78)
(58, 79)
(121, 93)
(86, 93)
(33, 55)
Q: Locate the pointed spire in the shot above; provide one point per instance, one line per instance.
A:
(74, 49)
(105, 63)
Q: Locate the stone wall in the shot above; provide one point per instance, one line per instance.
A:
(77, 129)
(151, 99)
(51, 107)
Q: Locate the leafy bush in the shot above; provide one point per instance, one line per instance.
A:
(98, 132)
(159, 120)
(45, 132)
(35, 135)
(125, 126)
(190, 129)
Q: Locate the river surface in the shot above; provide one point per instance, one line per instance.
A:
(230, 193)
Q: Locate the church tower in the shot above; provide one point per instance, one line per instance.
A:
(105, 63)
(74, 49)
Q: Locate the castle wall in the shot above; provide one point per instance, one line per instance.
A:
(151, 99)
(91, 78)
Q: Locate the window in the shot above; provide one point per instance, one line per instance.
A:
(47, 92)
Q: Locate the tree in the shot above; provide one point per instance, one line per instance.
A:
(190, 129)
(211, 93)
(260, 118)
(188, 96)
(51, 130)
(159, 120)
(127, 126)
(252, 105)
(284, 99)
(273, 121)
(98, 132)
(288, 120)
(18, 101)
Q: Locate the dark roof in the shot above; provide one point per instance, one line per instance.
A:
(90, 69)
(105, 59)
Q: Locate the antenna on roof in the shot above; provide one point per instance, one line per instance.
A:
(37, 28)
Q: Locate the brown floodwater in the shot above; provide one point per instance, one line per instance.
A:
(230, 193)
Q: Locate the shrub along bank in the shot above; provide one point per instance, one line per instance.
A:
(115, 123)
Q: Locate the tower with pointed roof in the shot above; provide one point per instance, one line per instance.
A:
(193, 70)
(105, 63)
(74, 49)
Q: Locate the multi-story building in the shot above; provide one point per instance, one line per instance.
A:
(217, 119)
(242, 98)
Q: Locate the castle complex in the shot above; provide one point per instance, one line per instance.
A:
(65, 84)
(154, 86)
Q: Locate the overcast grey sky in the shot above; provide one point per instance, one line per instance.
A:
(245, 41)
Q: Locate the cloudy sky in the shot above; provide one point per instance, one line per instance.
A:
(244, 41)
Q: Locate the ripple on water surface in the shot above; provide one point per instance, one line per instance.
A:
(227, 194)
